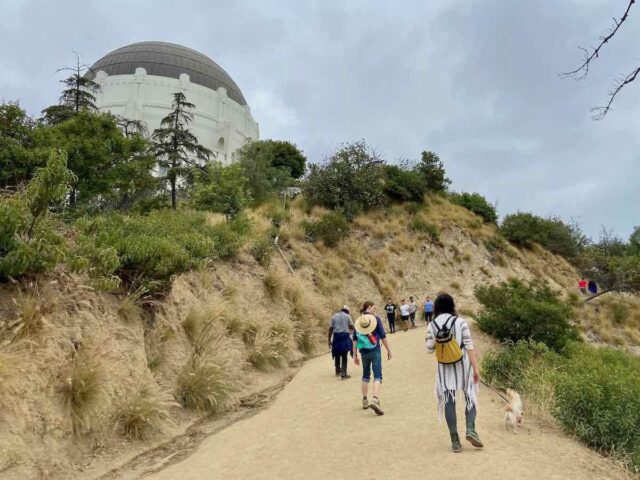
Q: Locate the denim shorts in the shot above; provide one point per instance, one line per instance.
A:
(371, 359)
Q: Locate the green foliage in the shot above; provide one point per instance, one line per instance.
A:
(477, 204)
(431, 171)
(151, 249)
(612, 263)
(515, 310)
(403, 184)
(331, 228)
(176, 148)
(525, 229)
(420, 225)
(598, 399)
(18, 157)
(270, 166)
(29, 241)
(509, 366)
(634, 241)
(350, 180)
(496, 244)
(221, 188)
(278, 216)
(263, 249)
(110, 169)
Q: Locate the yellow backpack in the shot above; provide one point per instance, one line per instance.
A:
(447, 348)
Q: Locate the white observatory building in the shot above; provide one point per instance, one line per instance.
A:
(138, 82)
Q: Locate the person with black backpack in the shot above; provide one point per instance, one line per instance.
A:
(449, 337)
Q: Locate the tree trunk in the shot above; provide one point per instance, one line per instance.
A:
(72, 196)
(173, 191)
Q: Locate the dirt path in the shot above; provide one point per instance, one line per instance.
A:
(316, 428)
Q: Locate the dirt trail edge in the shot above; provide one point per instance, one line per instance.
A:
(316, 428)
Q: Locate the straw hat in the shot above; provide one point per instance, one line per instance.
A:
(366, 324)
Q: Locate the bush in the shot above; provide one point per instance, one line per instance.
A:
(30, 241)
(270, 166)
(496, 244)
(515, 310)
(149, 250)
(221, 188)
(598, 399)
(525, 229)
(403, 184)
(349, 180)
(263, 249)
(477, 204)
(419, 225)
(331, 228)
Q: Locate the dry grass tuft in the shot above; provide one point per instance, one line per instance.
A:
(274, 283)
(143, 414)
(81, 391)
(129, 309)
(271, 346)
(213, 372)
(30, 309)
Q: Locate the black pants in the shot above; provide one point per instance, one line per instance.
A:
(341, 358)
(412, 317)
(428, 316)
(392, 323)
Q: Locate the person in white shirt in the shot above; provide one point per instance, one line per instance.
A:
(404, 315)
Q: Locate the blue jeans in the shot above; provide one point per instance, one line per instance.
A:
(371, 359)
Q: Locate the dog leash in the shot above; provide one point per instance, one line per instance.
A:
(494, 390)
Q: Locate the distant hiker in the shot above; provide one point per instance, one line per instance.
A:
(450, 338)
(582, 285)
(367, 337)
(413, 308)
(428, 310)
(593, 287)
(391, 308)
(340, 329)
(404, 315)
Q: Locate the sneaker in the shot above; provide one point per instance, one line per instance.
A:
(375, 406)
(473, 438)
(345, 376)
(456, 446)
(338, 373)
(365, 403)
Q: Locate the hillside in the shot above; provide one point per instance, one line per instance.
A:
(96, 377)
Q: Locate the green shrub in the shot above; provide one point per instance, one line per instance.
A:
(221, 188)
(420, 225)
(496, 244)
(152, 248)
(619, 313)
(525, 229)
(598, 399)
(278, 217)
(331, 228)
(402, 184)
(263, 249)
(515, 310)
(477, 204)
(349, 180)
(30, 238)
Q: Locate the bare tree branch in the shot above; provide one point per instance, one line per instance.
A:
(598, 113)
(582, 71)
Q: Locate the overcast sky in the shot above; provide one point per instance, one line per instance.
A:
(475, 81)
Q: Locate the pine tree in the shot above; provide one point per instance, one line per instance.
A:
(78, 96)
(176, 148)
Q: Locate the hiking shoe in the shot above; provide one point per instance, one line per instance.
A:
(456, 446)
(338, 373)
(473, 438)
(375, 406)
(345, 376)
(365, 403)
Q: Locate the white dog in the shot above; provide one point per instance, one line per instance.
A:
(515, 411)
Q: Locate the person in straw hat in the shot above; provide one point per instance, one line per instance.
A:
(369, 333)
(340, 340)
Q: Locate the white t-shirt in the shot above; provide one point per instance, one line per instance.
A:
(404, 310)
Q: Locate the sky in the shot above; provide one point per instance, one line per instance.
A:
(475, 81)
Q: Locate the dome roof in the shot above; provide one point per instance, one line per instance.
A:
(168, 60)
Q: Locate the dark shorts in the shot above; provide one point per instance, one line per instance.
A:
(371, 360)
(405, 318)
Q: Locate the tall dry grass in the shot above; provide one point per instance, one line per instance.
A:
(143, 413)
